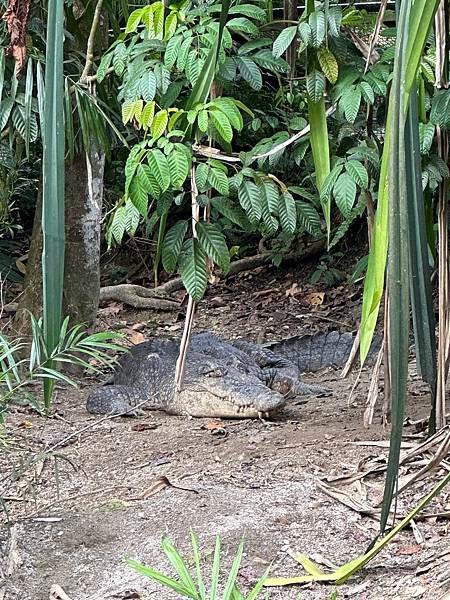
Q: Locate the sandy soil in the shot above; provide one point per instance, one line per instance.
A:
(100, 496)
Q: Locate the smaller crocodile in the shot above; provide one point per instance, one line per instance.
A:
(223, 379)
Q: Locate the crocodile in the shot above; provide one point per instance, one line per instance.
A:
(223, 379)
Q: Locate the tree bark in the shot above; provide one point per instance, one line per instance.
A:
(83, 206)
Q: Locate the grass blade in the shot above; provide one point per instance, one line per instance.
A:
(180, 567)
(197, 559)
(215, 570)
(231, 581)
(159, 577)
(53, 182)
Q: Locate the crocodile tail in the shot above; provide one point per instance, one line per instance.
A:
(316, 351)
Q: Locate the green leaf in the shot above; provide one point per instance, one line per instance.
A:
(178, 167)
(241, 24)
(170, 26)
(172, 49)
(315, 85)
(159, 123)
(250, 72)
(229, 108)
(180, 566)
(128, 111)
(173, 242)
(147, 86)
(345, 193)
(358, 173)
(119, 59)
(317, 23)
(249, 10)
(284, 40)
(266, 60)
(367, 92)
(222, 124)
(351, 101)
(329, 182)
(249, 199)
(53, 183)
(5, 111)
(133, 21)
(202, 120)
(334, 20)
(151, 183)
(219, 181)
(159, 577)
(160, 168)
(328, 64)
(132, 217)
(147, 115)
(183, 53)
(308, 217)
(138, 193)
(426, 136)
(193, 270)
(287, 212)
(213, 243)
(201, 176)
(304, 31)
(269, 203)
(233, 213)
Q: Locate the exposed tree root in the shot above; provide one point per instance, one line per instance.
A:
(159, 298)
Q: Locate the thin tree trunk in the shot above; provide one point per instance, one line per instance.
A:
(84, 193)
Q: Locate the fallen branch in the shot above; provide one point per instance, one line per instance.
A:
(159, 298)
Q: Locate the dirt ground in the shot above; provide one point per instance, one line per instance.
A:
(102, 495)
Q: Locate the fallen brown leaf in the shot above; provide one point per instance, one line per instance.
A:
(315, 298)
(25, 425)
(137, 338)
(144, 426)
(407, 550)
(112, 309)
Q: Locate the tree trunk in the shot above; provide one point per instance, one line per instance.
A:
(83, 207)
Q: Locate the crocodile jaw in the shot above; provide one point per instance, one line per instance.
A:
(207, 404)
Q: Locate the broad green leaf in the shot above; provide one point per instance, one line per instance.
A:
(178, 167)
(284, 40)
(350, 102)
(172, 50)
(317, 24)
(213, 243)
(183, 53)
(250, 71)
(243, 25)
(173, 242)
(267, 195)
(328, 64)
(308, 217)
(250, 201)
(158, 19)
(202, 120)
(193, 270)
(159, 168)
(132, 218)
(170, 26)
(315, 85)
(138, 193)
(229, 108)
(133, 21)
(147, 115)
(231, 212)
(334, 20)
(344, 191)
(222, 124)
(159, 123)
(219, 181)
(147, 86)
(329, 182)
(358, 173)
(266, 60)
(249, 10)
(119, 59)
(128, 111)
(320, 149)
(287, 211)
(304, 31)
(151, 183)
(201, 176)
(367, 92)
